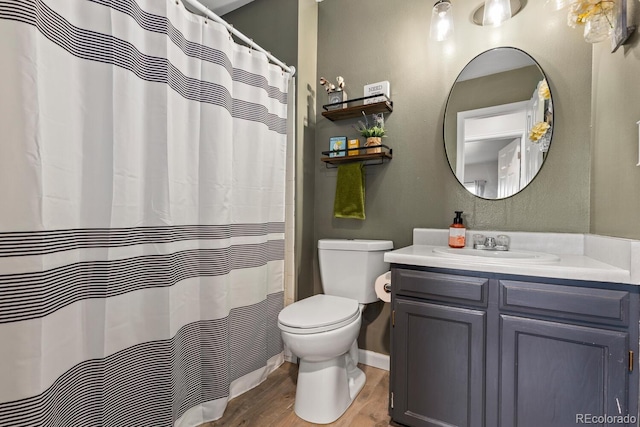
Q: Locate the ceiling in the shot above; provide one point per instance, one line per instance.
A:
(220, 7)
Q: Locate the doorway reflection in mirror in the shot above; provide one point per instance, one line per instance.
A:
(493, 123)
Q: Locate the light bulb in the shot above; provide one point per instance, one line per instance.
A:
(441, 21)
(496, 12)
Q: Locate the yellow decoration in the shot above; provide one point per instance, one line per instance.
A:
(580, 11)
(538, 131)
(543, 90)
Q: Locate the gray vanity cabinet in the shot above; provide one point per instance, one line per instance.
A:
(448, 356)
(481, 349)
(550, 372)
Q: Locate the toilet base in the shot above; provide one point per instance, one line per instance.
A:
(326, 389)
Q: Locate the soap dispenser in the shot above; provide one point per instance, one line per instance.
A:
(457, 232)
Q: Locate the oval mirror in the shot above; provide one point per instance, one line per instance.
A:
(498, 123)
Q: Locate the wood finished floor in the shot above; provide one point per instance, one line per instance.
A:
(271, 403)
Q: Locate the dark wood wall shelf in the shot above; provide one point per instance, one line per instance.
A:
(352, 108)
(362, 156)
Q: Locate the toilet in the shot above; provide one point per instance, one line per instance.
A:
(322, 330)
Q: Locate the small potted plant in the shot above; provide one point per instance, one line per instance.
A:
(372, 132)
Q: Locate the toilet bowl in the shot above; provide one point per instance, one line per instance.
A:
(322, 330)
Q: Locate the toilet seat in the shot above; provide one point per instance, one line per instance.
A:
(319, 313)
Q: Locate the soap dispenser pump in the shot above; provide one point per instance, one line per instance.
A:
(457, 232)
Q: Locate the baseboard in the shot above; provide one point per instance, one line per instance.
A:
(377, 360)
(289, 357)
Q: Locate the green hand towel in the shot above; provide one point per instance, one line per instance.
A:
(349, 201)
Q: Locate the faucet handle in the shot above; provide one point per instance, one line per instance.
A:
(503, 241)
(490, 242)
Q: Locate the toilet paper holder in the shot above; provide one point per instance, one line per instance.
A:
(383, 286)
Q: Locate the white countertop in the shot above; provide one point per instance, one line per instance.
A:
(582, 256)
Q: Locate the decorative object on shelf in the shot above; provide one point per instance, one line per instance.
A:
(338, 98)
(373, 132)
(337, 146)
(601, 19)
(373, 141)
(336, 95)
(329, 87)
(441, 21)
(380, 88)
(353, 146)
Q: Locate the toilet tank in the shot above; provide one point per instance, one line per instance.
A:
(349, 268)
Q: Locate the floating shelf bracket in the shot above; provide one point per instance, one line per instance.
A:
(369, 159)
(347, 109)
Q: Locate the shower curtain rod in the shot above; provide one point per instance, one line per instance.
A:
(202, 8)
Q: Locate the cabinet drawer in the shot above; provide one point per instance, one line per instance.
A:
(441, 287)
(566, 302)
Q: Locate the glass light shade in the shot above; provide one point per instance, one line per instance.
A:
(496, 12)
(597, 28)
(441, 21)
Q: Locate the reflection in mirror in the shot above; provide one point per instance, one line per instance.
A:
(498, 123)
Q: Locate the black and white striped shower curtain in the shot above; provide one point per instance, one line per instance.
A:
(142, 176)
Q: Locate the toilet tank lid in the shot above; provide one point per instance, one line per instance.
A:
(355, 244)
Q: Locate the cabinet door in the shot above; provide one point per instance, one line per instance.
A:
(552, 374)
(438, 365)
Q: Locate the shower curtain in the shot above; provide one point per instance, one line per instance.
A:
(142, 176)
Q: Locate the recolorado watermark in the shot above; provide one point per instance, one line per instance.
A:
(605, 419)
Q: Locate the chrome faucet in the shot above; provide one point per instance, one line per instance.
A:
(498, 243)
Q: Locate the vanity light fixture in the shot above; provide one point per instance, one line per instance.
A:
(479, 15)
(496, 12)
(441, 21)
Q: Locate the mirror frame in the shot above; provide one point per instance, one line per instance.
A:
(452, 167)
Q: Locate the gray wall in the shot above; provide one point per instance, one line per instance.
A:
(588, 184)
(273, 24)
(367, 41)
(615, 185)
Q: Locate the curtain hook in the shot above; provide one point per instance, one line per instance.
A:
(230, 30)
(251, 46)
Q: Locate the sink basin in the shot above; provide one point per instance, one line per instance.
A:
(496, 257)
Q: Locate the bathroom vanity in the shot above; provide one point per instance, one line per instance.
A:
(478, 342)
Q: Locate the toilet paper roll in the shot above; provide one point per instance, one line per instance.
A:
(383, 287)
